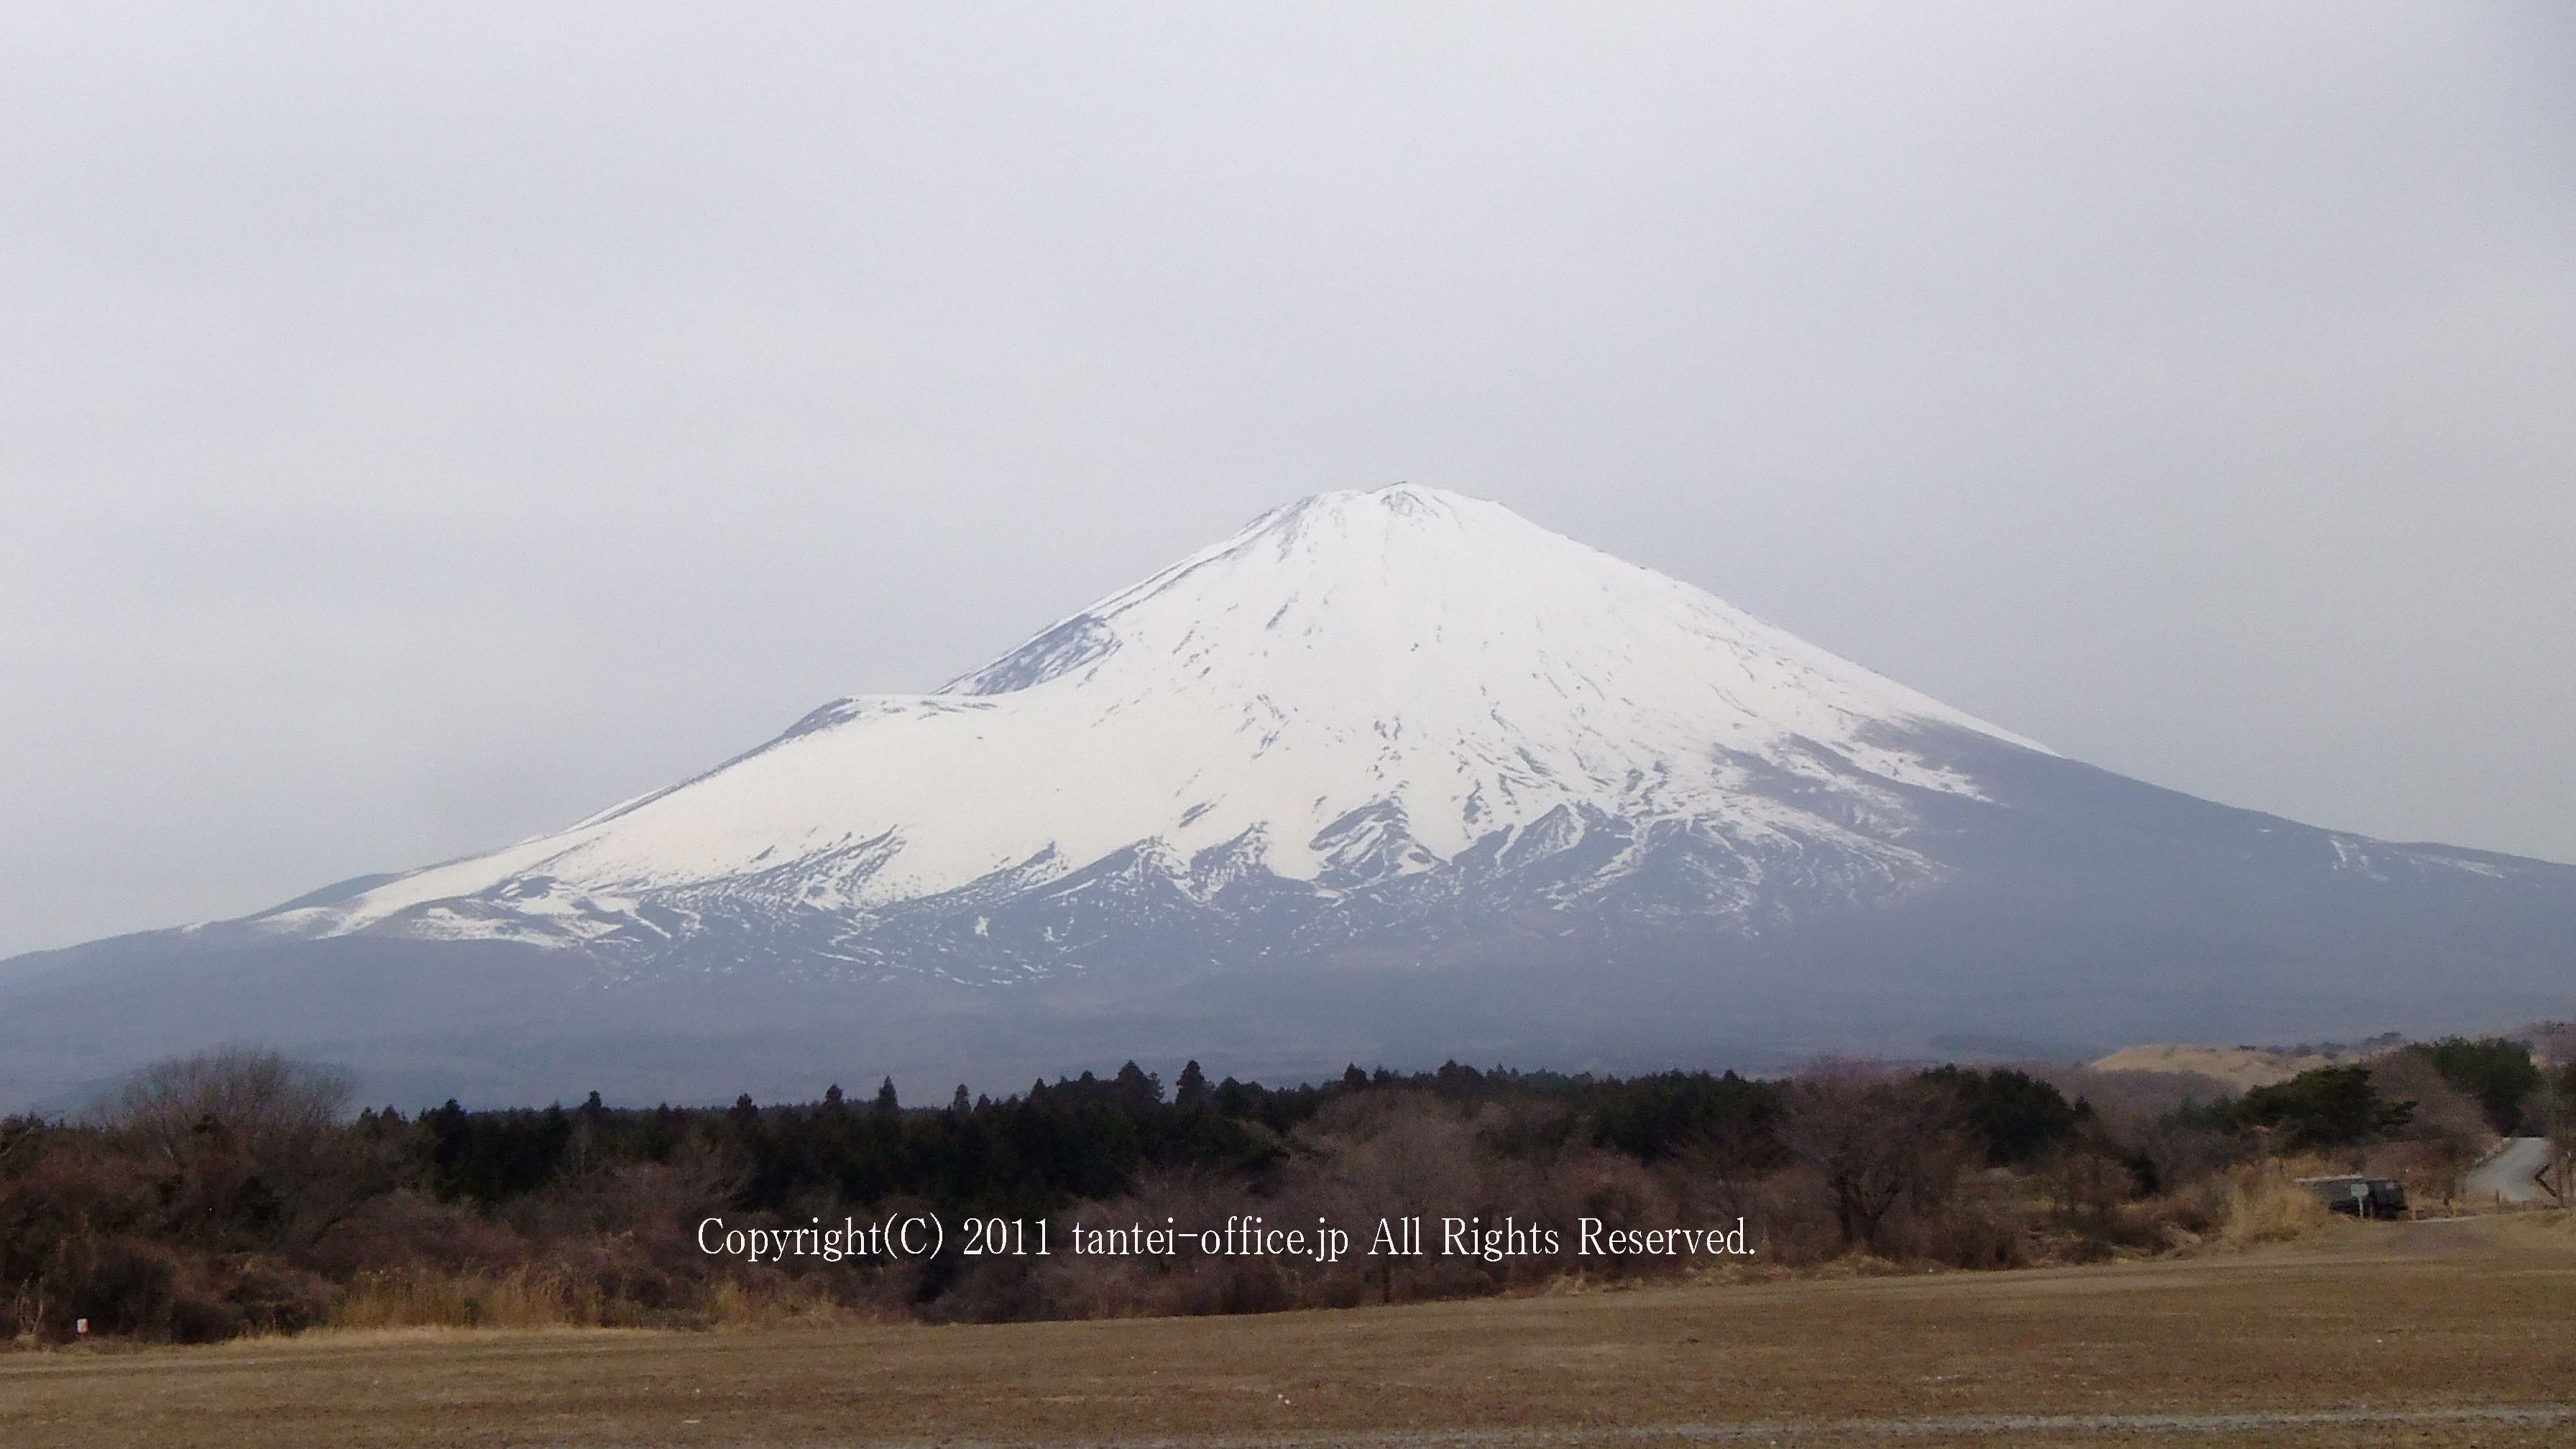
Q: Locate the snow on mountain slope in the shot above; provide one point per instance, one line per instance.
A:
(1388, 776)
(1355, 688)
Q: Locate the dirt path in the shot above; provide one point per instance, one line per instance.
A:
(2420, 1333)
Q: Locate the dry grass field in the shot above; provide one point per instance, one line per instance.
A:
(2451, 1333)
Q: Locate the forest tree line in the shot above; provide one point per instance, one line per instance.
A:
(232, 1192)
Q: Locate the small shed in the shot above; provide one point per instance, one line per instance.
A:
(2363, 1197)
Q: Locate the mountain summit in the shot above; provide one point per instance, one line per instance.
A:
(1386, 775)
(1354, 689)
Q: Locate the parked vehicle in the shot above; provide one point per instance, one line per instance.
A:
(2363, 1197)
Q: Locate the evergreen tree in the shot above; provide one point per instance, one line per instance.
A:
(1137, 1087)
(2497, 1072)
(2327, 1107)
(2015, 1115)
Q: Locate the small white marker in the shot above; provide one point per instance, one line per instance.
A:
(80, 1325)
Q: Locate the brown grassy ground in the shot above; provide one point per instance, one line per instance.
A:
(2416, 1333)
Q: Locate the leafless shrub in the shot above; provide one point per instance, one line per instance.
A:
(2178, 1151)
(404, 1229)
(1978, 1222)
(1794, 1211)
(2123, 1097)
(1385, 1157)
(2265, 1205)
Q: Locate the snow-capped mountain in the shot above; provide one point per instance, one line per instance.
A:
(1390, 775)
(1353, 690)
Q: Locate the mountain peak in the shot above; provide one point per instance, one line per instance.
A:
(1387, 775)
(1381, 681)
(1397, 509)
(1401, 526)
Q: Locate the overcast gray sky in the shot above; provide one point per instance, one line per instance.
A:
(421, 426)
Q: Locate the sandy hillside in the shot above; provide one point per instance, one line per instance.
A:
(2240, 1068)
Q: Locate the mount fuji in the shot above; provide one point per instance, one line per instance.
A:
(1392, 775)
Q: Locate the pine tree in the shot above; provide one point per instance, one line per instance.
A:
(1137, 1087)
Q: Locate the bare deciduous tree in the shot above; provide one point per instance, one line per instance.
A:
(1874, 1137)
(252, 1142)
(266, 1099)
